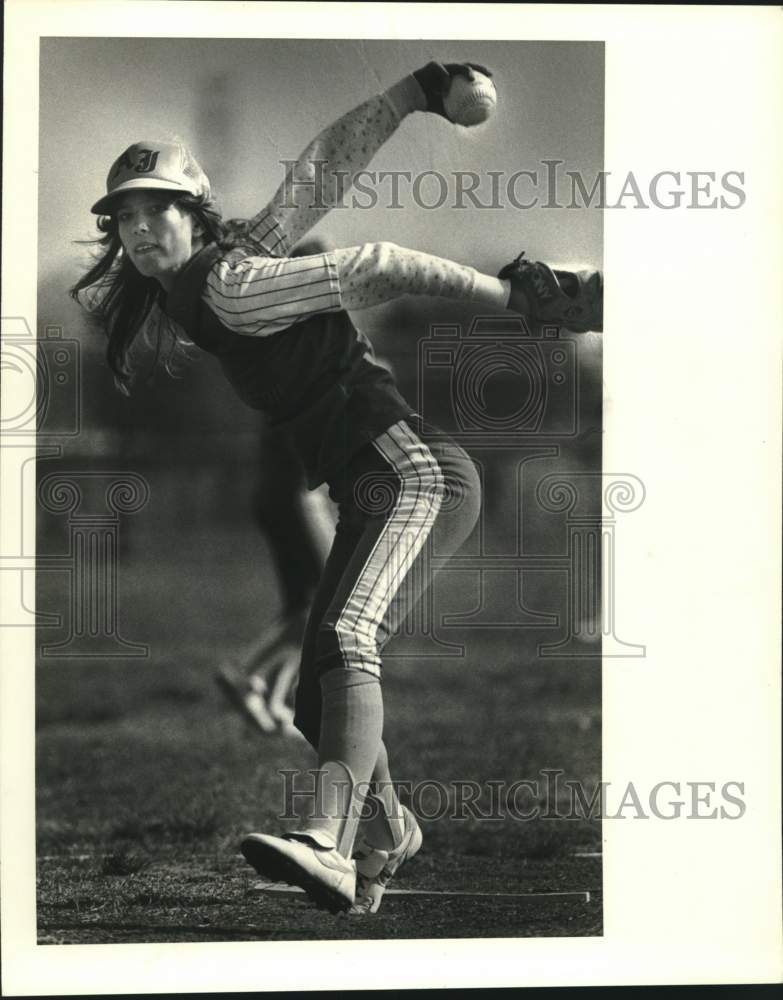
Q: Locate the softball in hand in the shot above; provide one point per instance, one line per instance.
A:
(470, 100)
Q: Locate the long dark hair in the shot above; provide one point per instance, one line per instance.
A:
(125, 299)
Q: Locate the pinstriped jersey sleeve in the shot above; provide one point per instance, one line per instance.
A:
(258, 296)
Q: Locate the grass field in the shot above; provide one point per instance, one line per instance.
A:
(146, 780)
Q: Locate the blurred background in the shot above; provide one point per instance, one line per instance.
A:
(244, 106)
(150, 562)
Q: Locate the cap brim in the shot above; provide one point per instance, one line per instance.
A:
(103, 205)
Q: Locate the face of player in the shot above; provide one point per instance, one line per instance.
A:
(158, 236)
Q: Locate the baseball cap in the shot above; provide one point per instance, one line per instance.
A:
(165, 165)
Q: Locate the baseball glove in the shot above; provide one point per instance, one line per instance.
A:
(435, 80)
(571, 299)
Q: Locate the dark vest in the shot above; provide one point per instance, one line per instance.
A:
(315, 381)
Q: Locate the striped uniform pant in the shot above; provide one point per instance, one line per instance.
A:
(408, 490)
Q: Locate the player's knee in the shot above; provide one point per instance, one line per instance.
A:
(461, 506)
(344, 643)
(467, 494)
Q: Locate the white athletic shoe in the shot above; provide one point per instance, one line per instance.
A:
(309, 860)
(376, 868)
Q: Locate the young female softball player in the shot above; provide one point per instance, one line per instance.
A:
(173, 273)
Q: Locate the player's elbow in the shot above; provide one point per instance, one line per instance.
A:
(380, 254)
(385, 248)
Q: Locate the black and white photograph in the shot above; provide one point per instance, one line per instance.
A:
(360, 583)
(259, 532)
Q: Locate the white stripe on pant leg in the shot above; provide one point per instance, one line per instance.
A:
(414, 515)
(397, 550)
(402, 435)
(375, 667)
(399, 446)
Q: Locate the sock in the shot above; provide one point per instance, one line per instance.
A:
(386, 827)
(351, 728)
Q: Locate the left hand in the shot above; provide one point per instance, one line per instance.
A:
(573, 300)
(435, 80)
